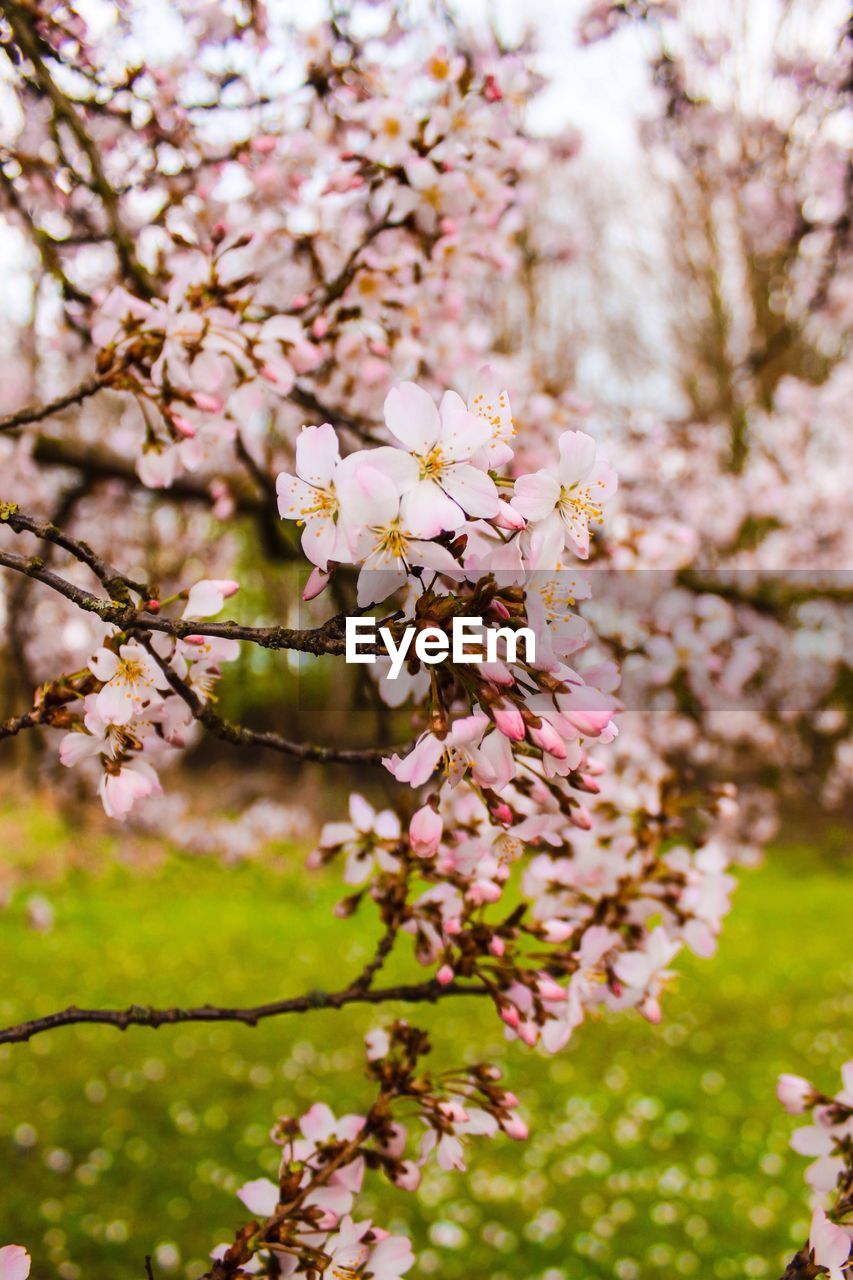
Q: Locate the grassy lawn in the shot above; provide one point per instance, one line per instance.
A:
(655, 1152)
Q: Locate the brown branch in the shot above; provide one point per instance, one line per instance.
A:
(15, 724)
(116, 584)
(358, 425)
(121, 613)
(241, 736)
(801, 1267)
(38, 412)
(327, 639)
(34, 567)
(771, 594)
(104, 464)
(147, 1016)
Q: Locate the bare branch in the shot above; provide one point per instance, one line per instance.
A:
(147, 1016)
(16, 724)
(38, 412)
(240, 736)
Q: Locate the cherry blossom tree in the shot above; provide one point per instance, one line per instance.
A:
(259, 323)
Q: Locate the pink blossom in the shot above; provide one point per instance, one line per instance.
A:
(208, 596)
(311, 498)
(391, 1258)
(794, 1093)
(132, 680)
(830, 1244)
(14, 1262)
(382, 537)
(425, 831)
(261, 1197)
(439, 484)
(121, 787)
(561, 506)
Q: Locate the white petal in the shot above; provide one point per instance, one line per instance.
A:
(317, 454)
(369, 498)
(577, 455)
(295, 497)
(104, 663)
(472, 489)
(536, 495)
(427, 510)
(412, 417)
(462, 433)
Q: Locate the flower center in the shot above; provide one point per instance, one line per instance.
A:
(432, 463)
(323, 502)
(129, 671)
(577, 502)
(394, 541)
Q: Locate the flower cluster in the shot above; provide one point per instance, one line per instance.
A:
(828, 1140)
(303, 1221)
(132, 718)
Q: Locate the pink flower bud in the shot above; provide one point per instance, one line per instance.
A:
(196, 640)
(509, 1015)
(320, 327)
(502, 813)
(407, 1176)
(152, 606)
(207, 403)
(264, 144)
(527, 1034)
(651, 1010)
(557, 930)
(425, 831)
(590, 785)
(497, 673)
(498, 607)
(508, 719)
(508, 517)
(795, 1093)
(300, 301)
(549, 740)
(445, 975)
(580, 818)
(515, 1128)
(484, 891)
(317, 582)
(492, 91)
(183, 426)
(497, 946)
(551, 990)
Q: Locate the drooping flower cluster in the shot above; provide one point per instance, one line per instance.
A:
(303, 1221)
(828, 1141)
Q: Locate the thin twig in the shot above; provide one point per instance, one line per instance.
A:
(136, 1015)
(38, 412)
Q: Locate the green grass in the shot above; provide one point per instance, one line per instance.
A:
(657, 1152)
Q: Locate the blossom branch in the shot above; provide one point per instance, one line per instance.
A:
(136, 1015)
(241, 736)
(63, 109)
(38, 412)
